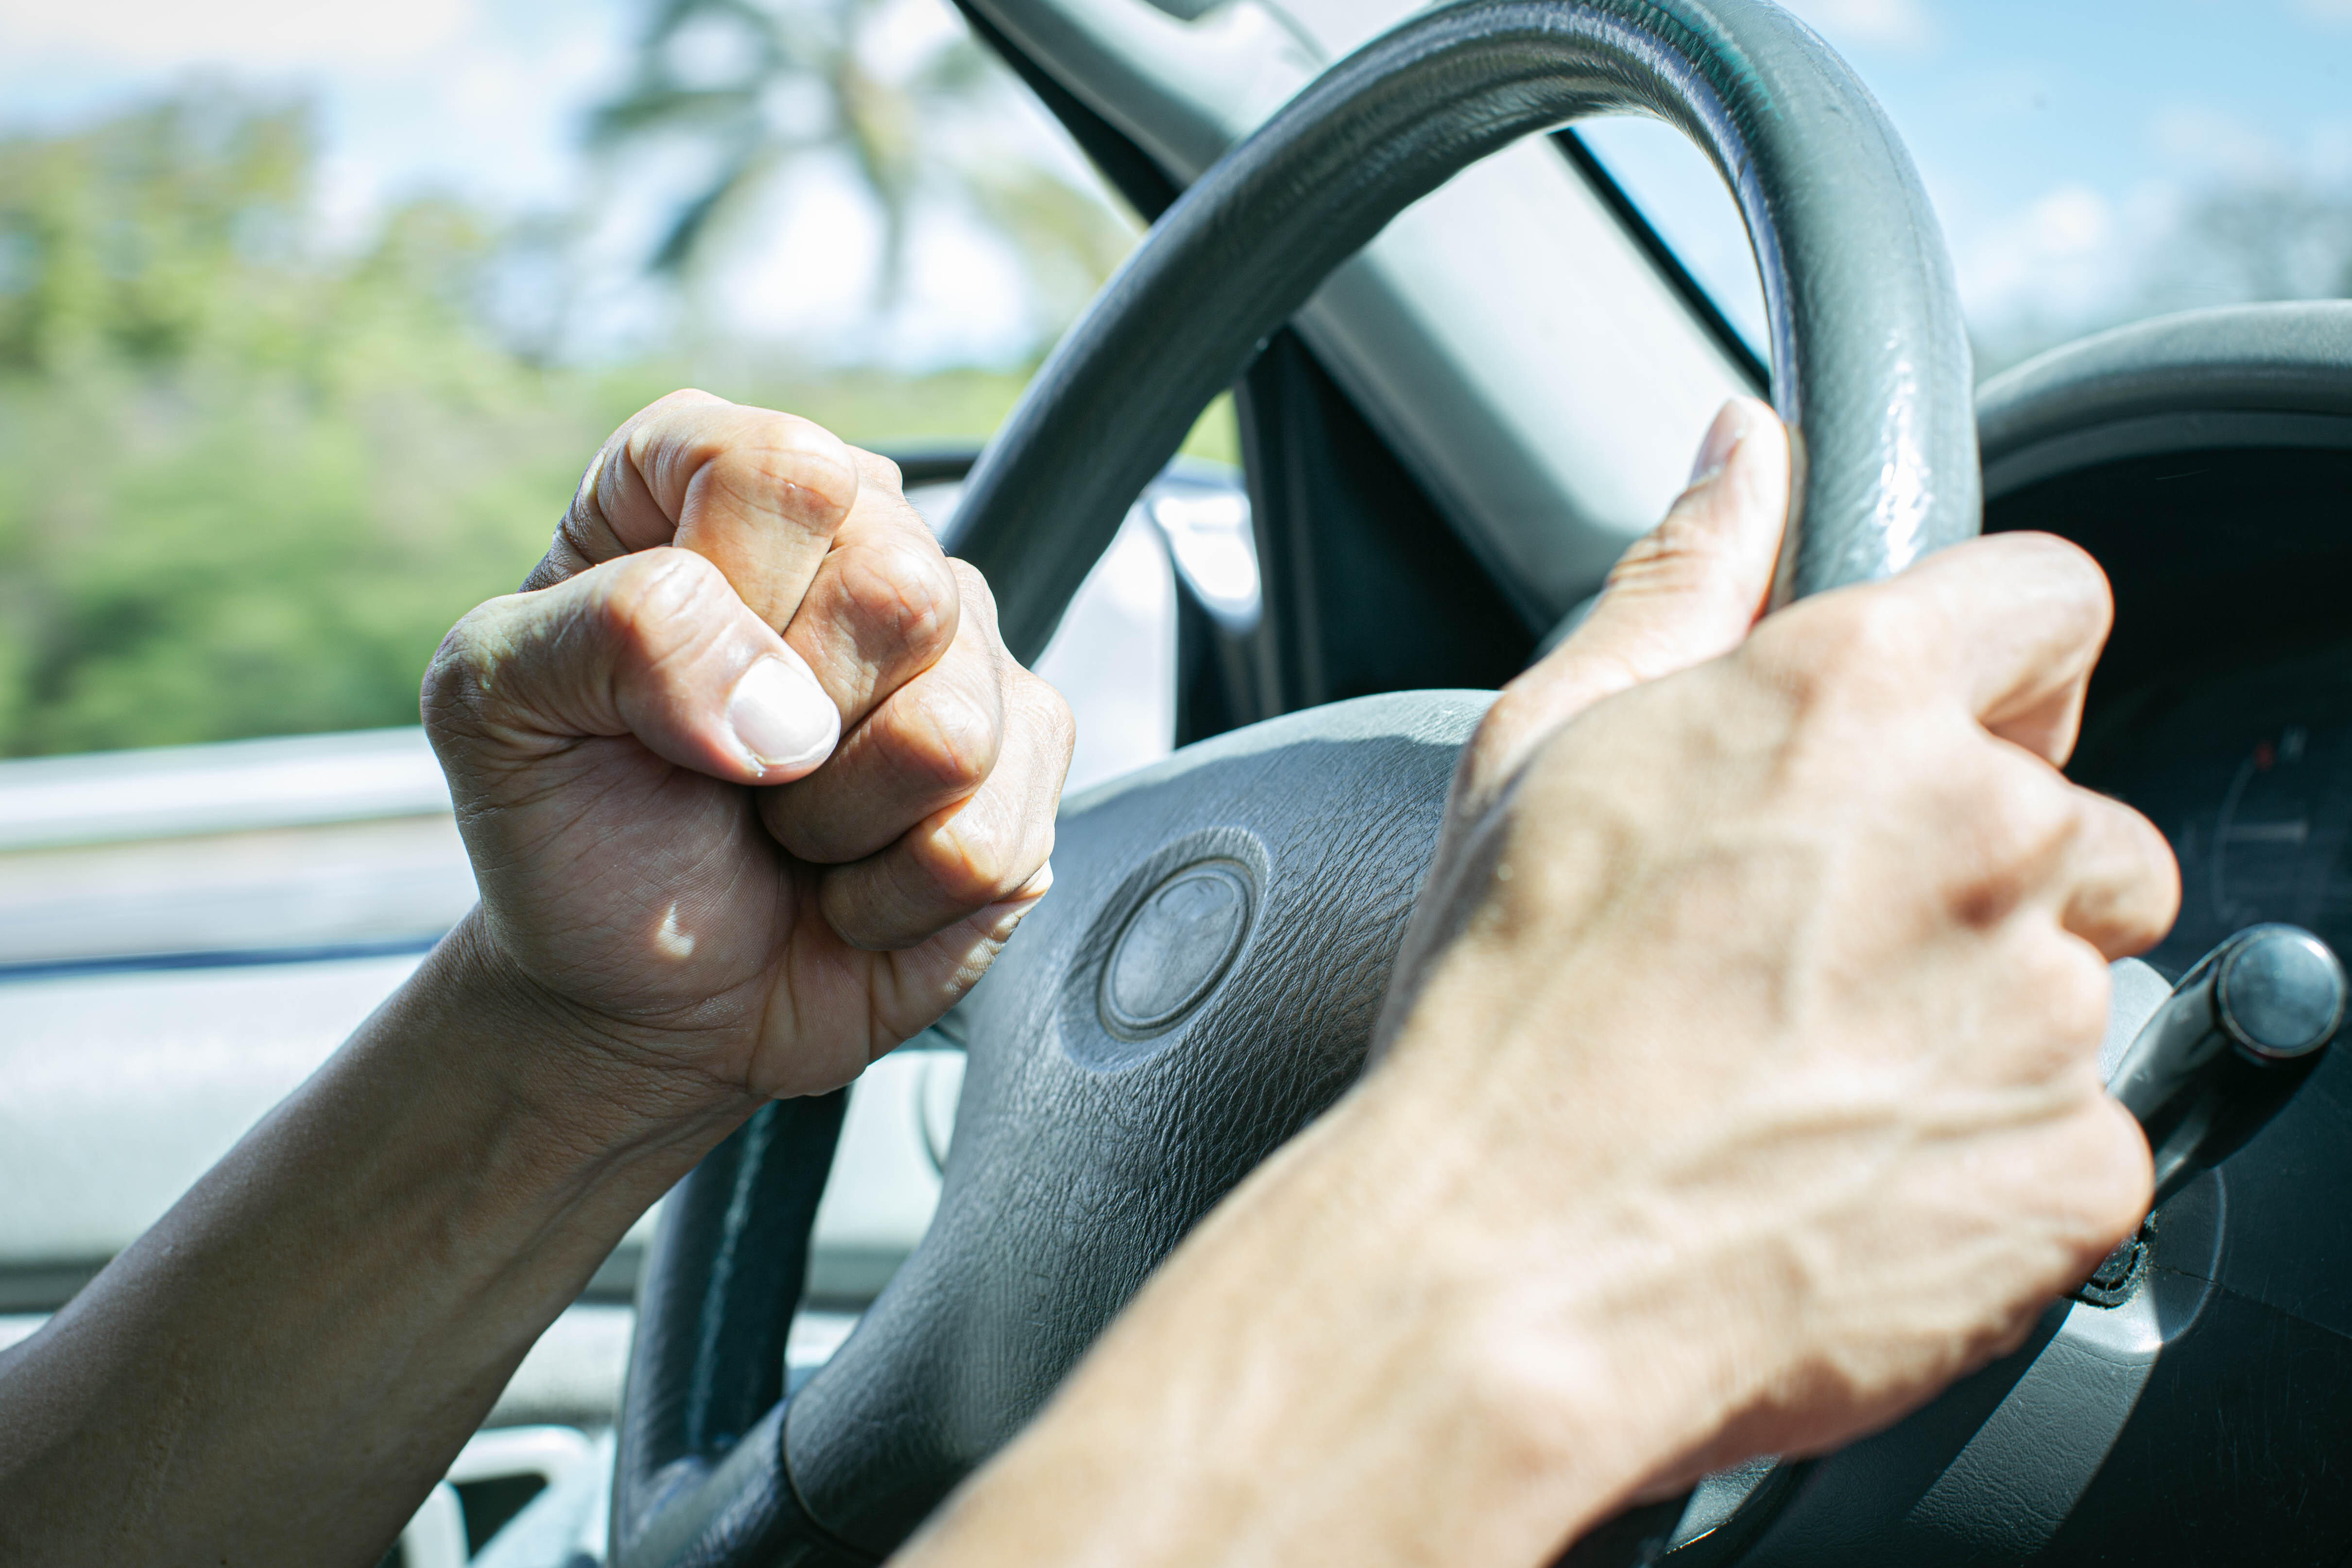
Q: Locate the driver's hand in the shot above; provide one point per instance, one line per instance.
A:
(1769, 993)
(752, 787)
(1738, 1088)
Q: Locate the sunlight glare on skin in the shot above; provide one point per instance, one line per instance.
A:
(670, 939)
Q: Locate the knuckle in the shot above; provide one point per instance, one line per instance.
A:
(975, 858)
(2069, 989)
(765, 464)
(880, 470)
(2024, 816)
(948, 737)
(2121, 1159)
(794, 451)
(1057, 724)
(645, 606)
(2071, 573)
(773, 481)
(2013, 835)
(900, 596)
(459, 677)
(973, 592)
(1861, 647)
(2151, 902)
(1870, 632)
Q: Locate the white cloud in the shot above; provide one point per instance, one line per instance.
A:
(2063, 254)
(248, 35)
(2336, 11)
(1904, 25)
(808, 280)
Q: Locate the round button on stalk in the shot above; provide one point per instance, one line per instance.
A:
(2280, 993)
(2227, 1051)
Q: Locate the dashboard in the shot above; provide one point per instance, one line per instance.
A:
(2206, 462)
(2248, 773)
(2223, 708)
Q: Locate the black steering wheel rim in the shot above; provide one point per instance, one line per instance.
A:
(1872, 373)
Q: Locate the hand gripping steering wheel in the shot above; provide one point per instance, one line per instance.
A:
(1204, 978)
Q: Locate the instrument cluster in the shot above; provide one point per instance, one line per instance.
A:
(2248, 773)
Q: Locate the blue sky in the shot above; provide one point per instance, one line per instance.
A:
(2057, 138)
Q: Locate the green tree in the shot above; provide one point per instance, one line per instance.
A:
(759, 87)
(245, 484)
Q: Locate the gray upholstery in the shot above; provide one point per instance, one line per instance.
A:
(2238, 375)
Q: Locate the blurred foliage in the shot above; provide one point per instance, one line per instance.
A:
(247, 483)
(2281, 237)
(753, 90)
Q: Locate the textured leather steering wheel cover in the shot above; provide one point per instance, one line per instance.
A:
(1873, 372)
(1871, 359)
(1079, 1159)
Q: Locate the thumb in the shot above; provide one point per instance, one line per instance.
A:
(654, 645)
(1687, 592)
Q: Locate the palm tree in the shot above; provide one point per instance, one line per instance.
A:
(760, 85)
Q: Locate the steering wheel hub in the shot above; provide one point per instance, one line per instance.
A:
(1174, 949)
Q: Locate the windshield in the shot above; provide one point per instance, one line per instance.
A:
(2092, 161)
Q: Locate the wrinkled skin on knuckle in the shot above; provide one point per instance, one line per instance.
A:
(655, 607)
(975, 857)
(961, 859)
(947, 741)
(753, 476)
(461, 682)
(759, 463)
(932, 745)
(978, 599)
(1048, 719)
(902, 603)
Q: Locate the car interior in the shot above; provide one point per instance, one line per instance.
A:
(1468, 372)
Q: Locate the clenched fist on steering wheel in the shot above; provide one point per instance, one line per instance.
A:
(751, 787)
(754, 792)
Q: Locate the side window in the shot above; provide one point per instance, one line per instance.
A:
(307, 329)
(2073, 196)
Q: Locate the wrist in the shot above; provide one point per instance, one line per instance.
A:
(1583, 1344)
(1335, 1367)
(589, 1088)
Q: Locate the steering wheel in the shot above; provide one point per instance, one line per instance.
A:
(1206, 977)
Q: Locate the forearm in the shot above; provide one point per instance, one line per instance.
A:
(1339, 1367)
(327, 1316)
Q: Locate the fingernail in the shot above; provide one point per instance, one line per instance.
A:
(1732, 424)
(781, 716)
